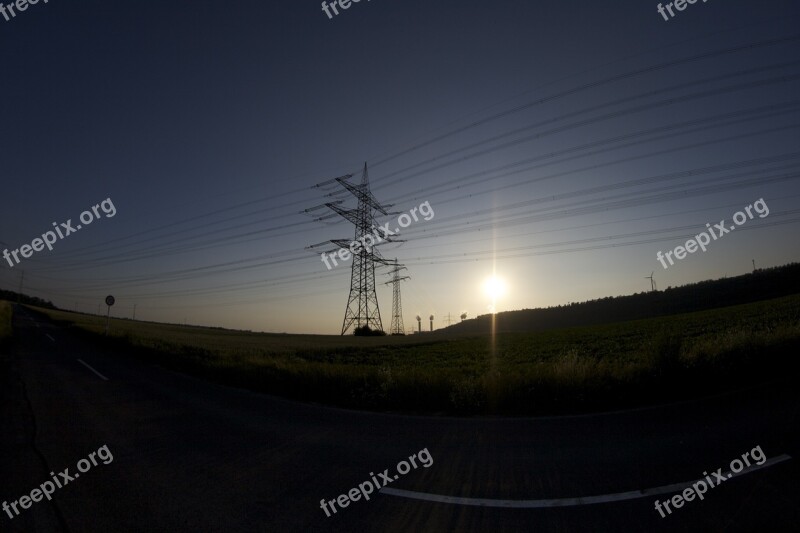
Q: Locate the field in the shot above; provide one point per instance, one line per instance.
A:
(557, 371)
(5, 321)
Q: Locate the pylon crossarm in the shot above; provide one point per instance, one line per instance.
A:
(315, 208)
(316, 247)
(331, 181)
(351, 215)
(363, 194)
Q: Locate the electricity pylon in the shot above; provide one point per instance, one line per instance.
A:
(362, 303)
(397, 308)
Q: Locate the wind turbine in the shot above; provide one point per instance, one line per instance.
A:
(652, 281)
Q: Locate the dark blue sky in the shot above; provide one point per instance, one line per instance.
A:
(208, 123)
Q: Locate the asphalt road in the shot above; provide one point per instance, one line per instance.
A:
(194, 456)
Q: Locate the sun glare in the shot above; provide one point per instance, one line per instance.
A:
(494, 287)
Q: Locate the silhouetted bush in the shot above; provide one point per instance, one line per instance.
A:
(366, 331)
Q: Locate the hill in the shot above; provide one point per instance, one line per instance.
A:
(763, 284)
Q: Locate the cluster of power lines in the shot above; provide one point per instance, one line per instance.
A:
(73, 275)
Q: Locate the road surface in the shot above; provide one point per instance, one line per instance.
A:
(193, 456)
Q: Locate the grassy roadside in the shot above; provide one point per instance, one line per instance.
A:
(5, 322)
(557, 371)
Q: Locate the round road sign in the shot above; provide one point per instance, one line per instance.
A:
(109, 300)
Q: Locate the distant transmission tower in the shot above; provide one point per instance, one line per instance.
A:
(362, 303)
(397, 308)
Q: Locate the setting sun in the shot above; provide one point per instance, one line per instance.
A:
(494, 287)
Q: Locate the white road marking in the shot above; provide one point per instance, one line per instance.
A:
(49, 337)
(93, 370)
(566, 502)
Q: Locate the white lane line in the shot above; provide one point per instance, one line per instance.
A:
(93, 370)
(49, 337)
(567, 502)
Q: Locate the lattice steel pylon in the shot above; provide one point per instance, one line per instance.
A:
(362, 303)
(397, 327)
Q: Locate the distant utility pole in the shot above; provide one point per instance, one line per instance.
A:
(21, 282)
(448, 320)
(397, 308)
(754, 265)
(134, 311)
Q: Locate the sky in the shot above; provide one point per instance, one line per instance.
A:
(559, 145)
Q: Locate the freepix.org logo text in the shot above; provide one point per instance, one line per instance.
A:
(10, 10)
(702, 240)
(60, 231)
(355, 248)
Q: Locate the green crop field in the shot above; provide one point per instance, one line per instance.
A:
(556, 371)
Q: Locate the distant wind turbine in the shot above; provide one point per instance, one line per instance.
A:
(652, 281)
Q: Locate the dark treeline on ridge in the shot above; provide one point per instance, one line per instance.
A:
(12, 296)
(762, 284)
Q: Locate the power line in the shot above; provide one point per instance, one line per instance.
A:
(591, 85)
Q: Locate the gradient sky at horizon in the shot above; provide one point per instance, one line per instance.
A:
(209, 123)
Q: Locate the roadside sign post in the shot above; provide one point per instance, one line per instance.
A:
(109, 303)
